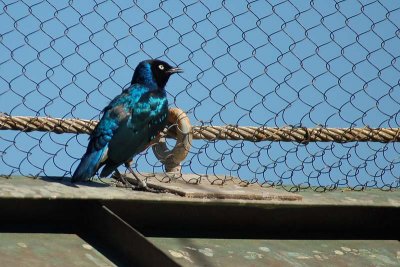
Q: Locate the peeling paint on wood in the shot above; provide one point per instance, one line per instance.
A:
(239, 252)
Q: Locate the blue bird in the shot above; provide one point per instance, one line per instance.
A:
(129, 122)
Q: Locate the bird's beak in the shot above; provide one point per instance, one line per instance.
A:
(175, 70)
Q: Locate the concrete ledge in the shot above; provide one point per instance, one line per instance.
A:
(18, 187)
(180, 225)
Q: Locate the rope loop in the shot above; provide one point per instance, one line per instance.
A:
(181, 129)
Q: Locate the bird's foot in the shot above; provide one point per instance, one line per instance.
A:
(140, 185)
(121, 181)
(137, 184)
(152, 190)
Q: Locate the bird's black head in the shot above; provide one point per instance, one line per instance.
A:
(154, 73)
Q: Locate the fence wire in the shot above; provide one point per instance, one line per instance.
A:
(256, 63)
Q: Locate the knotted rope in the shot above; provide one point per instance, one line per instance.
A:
(227, 132)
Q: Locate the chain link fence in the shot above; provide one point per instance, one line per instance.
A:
(285, 64)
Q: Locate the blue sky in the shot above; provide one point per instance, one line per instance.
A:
(273, 63)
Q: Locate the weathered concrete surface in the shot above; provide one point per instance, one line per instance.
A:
(43, 249)
(61, 188)
(239, 252)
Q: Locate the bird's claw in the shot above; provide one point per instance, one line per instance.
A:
(137, 185)
(142, 186)
(149, 189)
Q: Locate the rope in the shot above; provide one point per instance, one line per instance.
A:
(228, 132)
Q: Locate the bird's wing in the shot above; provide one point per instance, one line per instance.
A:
(97, 151)
(114, 114)
(146, 118)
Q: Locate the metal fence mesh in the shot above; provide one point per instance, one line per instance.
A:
(254, 63)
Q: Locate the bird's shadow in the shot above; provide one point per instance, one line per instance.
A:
(67, 181)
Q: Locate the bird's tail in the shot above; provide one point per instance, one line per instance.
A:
(88, 166)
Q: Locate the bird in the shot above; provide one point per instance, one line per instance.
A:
(129, 123)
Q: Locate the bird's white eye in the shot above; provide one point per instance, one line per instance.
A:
(161, 67)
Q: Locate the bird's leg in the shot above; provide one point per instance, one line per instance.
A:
(117, 176)
(141, 185)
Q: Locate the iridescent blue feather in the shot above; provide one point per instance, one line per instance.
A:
(127, 126)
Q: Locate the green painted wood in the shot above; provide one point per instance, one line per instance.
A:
(48, 249)
(244, 252)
